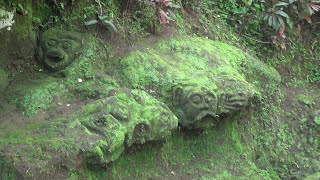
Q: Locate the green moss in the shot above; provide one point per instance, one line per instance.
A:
(306, 100)
(313, 177)
(6, 172)
(208, 154)
(88, 65)
(214, 59)
(316, 115)
(37, 96)
(23, 24)
(74, 176)
(33, 148)
(100, 153)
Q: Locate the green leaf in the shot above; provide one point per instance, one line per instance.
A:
(88, 23)
(174, 6)
(317, 120)
(270, 20)
(111, 24)
(282, 13)
(62, 5)
(281, 4)
(290, 23)
(310, 11)
(292, 1)
(275, 23)
(266, 17)
(281, 21)
(247, 2)
(172, 14)
(20, 6)
(102, 17)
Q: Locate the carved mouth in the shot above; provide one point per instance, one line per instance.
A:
(204, 113)
(55, 57)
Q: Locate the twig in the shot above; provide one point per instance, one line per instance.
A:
(291, 41)
(313, 24)
(100, 7)
(98, 1)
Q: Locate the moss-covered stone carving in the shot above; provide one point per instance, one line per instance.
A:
(97, 133)
(194, 104)
(140, 98)
(195, 77)
(59, 48)
(117, 117)
(125, 118)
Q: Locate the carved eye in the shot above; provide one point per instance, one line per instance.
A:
(66, 45)
(51, 42)
(196, 99)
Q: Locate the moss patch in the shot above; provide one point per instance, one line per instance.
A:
(36, 96)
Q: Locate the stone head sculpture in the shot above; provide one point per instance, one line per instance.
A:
(59, 48)
(192, 105)
(197, 78)
(124, 118)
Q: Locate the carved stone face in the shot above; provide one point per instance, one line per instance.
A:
(195, 104)
(128, 117)
(59, 48)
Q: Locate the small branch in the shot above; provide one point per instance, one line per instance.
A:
(98, 1)
(313, 24)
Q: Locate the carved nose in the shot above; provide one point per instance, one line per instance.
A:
(209, 99)
(206, 104)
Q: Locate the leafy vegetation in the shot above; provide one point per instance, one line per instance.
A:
(163, 10)
(100, 20)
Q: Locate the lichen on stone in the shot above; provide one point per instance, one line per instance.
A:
(6, 19)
